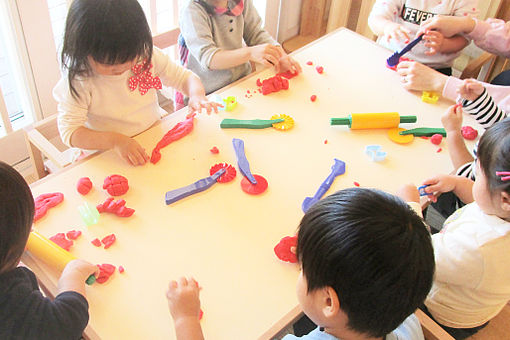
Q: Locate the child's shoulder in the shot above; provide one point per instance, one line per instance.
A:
(17, 282)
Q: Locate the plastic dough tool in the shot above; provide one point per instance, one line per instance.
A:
(395, 57)
(424, 131)
(249, 124)
(200, 185)
(242, 162)
(380, 120)
(336, 170)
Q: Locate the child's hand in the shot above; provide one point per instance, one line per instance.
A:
(470, 89)
(433, 40)
(74, 276)
(266, 54)
(197, 103)
(130, 150)
(183, 299)
(398, 32)
(438, 185)
(409, 193)
(452, 119)
(287, 63)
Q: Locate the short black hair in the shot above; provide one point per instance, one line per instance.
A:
(16, 216)
(494, 155)
(110, 31)
(373, 250)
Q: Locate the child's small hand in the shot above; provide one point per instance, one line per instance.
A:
(398, 32)
(183, 299)
(74, 275)
(439, 184)
(130, 150)
(470, 89)
(266, 54)
(433, 40)
(452, 119)
(197, 103)
(409, 193)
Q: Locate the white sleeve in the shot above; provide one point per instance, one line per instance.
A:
(170, 73)
(466, 8)
(72, 112)
(387, 9)
(458, 260)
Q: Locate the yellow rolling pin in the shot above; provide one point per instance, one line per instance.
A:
(382, 120)
(50, 253)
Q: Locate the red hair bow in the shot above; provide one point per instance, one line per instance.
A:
(144, 78)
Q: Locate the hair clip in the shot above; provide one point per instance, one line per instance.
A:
(505, 175)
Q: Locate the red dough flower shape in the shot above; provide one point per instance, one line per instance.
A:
(285, 250)
(84, 185)
(229, 174)
(469, 133)
(116, 185)
(105, 271)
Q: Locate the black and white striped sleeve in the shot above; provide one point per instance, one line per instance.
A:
(484, 110)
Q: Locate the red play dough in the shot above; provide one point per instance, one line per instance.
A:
(320, 69)
(469, 133)
(116, 185)
(356, 184)
(108, 241)
(313, 98)
(394, 68)
(73, 234)
(180, 130)
(309, 63)
(121, 269)
(439, 150)
(274, 84)
(84, 185)
(60, 239)
(254, 189)
(436, 139)
(259, 82)
(201, 314)
(229, 174)
(117, 207)
(288, 74)
(105, 271)
(96, 242)
(283, 249)
(45, 202)
(215, 150)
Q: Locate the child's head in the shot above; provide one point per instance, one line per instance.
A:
(492, 191)
(109, 32)
(367, 262)
(16, 216)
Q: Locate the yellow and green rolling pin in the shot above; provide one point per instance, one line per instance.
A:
(381, 120)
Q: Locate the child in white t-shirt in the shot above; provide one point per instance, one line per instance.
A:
(396, 22)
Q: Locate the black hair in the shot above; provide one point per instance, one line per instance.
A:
(16, 216)
(493, 155)
(110, 31)
(374, 251)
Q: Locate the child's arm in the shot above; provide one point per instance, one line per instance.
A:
(184, 305)
(74, 276)
(194, 89)
(462, 187)
(382, 21)
(436, 42)
(126, 147)
(452, 122)
(265, 54)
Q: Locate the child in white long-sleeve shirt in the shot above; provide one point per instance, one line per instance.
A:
(395, 22)
(109, 92)
(472, 252)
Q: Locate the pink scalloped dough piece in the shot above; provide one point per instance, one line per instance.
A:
(283, 249)
(229, 174)
(469, 133)
(180, 130)
(254, 189)
(116, 185)
(46, 201)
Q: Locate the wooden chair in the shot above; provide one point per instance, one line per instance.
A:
(484, 63)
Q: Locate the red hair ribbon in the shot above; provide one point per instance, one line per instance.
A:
(143, 78)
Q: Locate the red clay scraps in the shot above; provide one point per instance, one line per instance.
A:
(108, 241)
(273, 84)
(117, 207)
(46, 201)
(73, 234)
(60, 240)
(105, 271)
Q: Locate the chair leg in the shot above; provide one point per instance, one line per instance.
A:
(36, 159)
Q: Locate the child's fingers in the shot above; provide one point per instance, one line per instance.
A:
(183, 282)
(296, 65)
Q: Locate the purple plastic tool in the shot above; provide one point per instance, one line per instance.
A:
(395, 57)
(200, 185)
(422, 191)
(242, 162)
(336, 170)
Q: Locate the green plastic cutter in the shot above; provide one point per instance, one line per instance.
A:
(424, 131)
(249, 124)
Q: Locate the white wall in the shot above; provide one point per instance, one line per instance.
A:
(290, 15)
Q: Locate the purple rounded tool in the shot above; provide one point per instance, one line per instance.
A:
(200, 185)
(395, 57)
(242, 162)
(336, 170)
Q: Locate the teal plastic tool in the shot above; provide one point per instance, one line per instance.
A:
(424, 131)
(249, 124)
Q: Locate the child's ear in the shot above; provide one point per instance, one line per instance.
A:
(331, 304)
(505, 201)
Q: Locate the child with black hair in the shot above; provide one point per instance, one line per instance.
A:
(24, 312)
(366, 265)
(109, 92)
(472, 251)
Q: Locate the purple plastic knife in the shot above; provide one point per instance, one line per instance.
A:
(337, 169)
(200, 185)
(242, 162)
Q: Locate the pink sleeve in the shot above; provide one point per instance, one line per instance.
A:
(492, 35)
